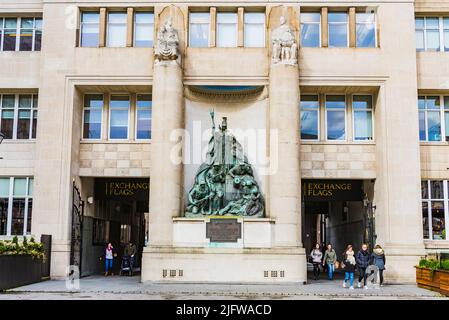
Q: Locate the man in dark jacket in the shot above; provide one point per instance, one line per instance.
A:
(362, 258)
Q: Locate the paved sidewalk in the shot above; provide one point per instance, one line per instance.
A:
(116, 287)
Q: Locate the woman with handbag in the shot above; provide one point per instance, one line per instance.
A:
(316, 255)
(330, 258)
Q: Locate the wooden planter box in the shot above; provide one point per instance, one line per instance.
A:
(19, 270)
(437, 280)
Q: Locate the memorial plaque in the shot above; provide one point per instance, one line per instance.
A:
(223, 230)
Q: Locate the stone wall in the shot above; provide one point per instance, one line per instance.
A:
(335, 161)
(434, 161)
(115, 159)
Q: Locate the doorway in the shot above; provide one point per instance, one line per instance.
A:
(336, 212)
(116, 213)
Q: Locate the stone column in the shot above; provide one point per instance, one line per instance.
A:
(166, 175)
(284, 201)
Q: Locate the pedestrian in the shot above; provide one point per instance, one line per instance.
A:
(316, 256)
(130, 251)
(362, 259)
(330, 258)
(378, 259)
(349, 266)
(109, 255)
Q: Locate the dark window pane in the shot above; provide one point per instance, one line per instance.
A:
(3, 215)
(424, 190)
(18, 215)
(26, 40)
(422, 126)
(23, 124)
(37, 40)
(434, 126)
(33, 133)
(7, 123)
(144, 124)
(9, 40)
(30, 211)
(425, 219)
(334, 101)
(437, 220)
(436, 189)
(92, 124)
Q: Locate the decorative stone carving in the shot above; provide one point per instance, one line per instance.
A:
(225, 183)
(166, 50)
(284, 47)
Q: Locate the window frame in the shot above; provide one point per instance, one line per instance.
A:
(18, 33)
(319, 29)
(338, 23)
(83, 23)
(335, 110)
(208, 29)
(236, 31)
(82, 117)
(429, 201)
(16, 114)
(441, 111)
(136, 24)
(318, 110)
(11, 198)
(364, 23)
(441, 30)
(135, 117)
(264, 28)
(108, 25)
(372, 117)
(129, 95)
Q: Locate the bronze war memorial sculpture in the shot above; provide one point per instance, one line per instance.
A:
(224, 184)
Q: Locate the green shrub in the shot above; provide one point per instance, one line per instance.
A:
(36, 250)
(433, 264)
(422, 263)
(444, 264)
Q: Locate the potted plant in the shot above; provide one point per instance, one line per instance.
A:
(433, 274)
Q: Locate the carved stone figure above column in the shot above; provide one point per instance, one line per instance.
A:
(284, 47)
(166, 50)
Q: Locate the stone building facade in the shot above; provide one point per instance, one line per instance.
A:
(81, 79)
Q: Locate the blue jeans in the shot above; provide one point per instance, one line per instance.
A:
(349, 276)
(330, 270)
(108, 264)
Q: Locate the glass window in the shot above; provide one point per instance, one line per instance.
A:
(365, 30)
(429, 118)
(336, 117)
(24, 117)
(446, 117)
(1, 33)
(419, 34)
(435, 202)
(118, 117)
(10, 34)
(7, 115)
(18, 204)
(37, 34)
(116, 35)
(226, 29)
(310, 29)
(338, 29)
(143, 29)
(90, 29)
(362, 108)
(199, 29)
(93, 114)
(26, 34)
(143, 116)
(310, 114)
(254, 29)
(428, 31)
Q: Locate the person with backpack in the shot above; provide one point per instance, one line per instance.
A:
(330, 258)
(316, 256)
(362, 259)
(349, 266)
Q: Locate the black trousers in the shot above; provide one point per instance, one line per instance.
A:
(316, 270)
(362, 275)
(381, 276)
